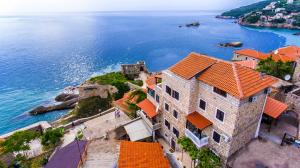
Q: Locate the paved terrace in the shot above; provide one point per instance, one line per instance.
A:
(266, 154)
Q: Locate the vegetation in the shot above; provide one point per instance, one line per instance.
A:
(205, 157)
(281, 20)
(239, 12)
(137, 82)
(52, 137)
(92, 106)
(252, 18)
(139, 95)
(275, 68)
(36, 162)
(116, 79)
(297, 21)
(18, 141)
(2, 165)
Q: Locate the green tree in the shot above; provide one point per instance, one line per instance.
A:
(252, 18)
(2, 165)
(52, 137)
(92, 106)
(18, 141)
(139, 94)
(205, 157)
(275, 68)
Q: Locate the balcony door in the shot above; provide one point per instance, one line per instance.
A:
(173, 144)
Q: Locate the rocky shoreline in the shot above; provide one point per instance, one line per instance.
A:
(268, 25)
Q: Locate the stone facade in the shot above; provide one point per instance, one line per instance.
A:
(240, 124)
(296, 76)
(133, 70)
(239, 57)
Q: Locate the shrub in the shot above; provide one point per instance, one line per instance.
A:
(52, 137)
(18, 141)
(2, 165)
(139, 94)
(275, 68)
(252, 18)
(116, 79)
(92, 106)
(137, 82)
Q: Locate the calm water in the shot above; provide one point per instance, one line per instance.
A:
(40, 55)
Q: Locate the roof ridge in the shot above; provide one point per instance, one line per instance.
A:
(237, 79)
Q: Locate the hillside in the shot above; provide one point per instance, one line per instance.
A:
(241, 11)
(270, 13)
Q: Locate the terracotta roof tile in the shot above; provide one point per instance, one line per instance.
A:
(192, 65)
(152, 81)
(274, 108)
(252, 53)
(148, 108)
(286, 54)
(198, 120)
(142, 155)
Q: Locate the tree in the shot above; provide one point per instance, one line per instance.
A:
(18, 141)
(205, 157)
(275, 68)
(52, 137)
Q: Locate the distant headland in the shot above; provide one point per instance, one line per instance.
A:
(269, 13)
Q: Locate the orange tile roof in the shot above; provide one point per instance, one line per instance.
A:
(248, 63)
(192, 65)
(142, 155)
(235, 79)
(198, 120)
(286, 54)
(252, 53)
(274, 108)
(148, 108)
(152, 80)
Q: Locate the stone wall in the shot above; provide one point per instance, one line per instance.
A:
(293, 100)
(133, 70)
(296, 76)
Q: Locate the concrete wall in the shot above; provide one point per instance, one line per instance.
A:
(296, 76)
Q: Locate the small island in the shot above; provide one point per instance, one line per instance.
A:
(270, 13)
(193, 24)
(232, 44)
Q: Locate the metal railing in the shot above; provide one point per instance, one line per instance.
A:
(153, 127)
(198, 142)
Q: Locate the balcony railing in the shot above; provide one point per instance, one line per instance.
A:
(153, 127)
(198, 142)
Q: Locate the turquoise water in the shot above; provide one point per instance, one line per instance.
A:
(40, 55)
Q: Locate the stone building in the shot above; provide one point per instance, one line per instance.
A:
(133, 70)
(215, 103)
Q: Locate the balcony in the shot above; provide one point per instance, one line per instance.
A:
(198, 142)
(150, 124)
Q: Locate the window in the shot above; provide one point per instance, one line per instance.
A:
(167, 107)
(175, 94)
(151, 92)
(175, 131)
(220, 92)
(168, 90)
(202, 104)
(220, 115)
(167, 124)
(157, 98)
(175, 114)
(216, 137)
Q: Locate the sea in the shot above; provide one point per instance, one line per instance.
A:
(41, 54)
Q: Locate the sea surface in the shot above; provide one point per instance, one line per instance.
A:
(42, 54)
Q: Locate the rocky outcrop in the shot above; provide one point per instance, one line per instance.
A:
(231, 44)
(193, 24)
(71, 95)
(61, 106)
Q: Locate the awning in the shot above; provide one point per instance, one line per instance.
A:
(274, 108)
(137, 130)
(198, 120)
(148, 108)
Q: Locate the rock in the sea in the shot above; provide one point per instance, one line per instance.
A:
(231, 44)
(65, 97)
(297, 34)
(61, 106)
(194, 24)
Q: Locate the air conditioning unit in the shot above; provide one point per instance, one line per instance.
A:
(252, 98)
(268, 90)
